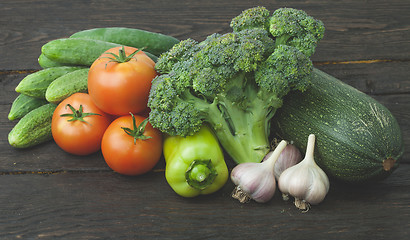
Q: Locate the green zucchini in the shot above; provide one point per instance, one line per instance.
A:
(35, 84)
(78, 51)
(358, 139)
(155, 43)
(34, 128)
(68, 84)
(23, 104)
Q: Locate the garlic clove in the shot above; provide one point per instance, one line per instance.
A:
(305, 181)
(295, 180)
(256, 180)
(315, 195)
(290, 156)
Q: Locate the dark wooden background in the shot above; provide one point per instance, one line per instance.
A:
(48, 194)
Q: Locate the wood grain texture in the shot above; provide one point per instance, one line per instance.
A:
(355, 30)
(379, 78)
(109, 206)
(393, 94)
(46, 193)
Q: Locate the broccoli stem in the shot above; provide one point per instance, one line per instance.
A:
(242, 131)
(243, 134)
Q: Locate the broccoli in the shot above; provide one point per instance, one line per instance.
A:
(288, 26)
(251, 18)
(234, 82)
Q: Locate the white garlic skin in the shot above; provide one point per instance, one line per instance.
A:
(256, 180)
(305, 180)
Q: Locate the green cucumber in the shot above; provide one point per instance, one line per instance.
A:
(78, 51)
(155, 43)
(358, 139)
(45, 62)
(34, 128)
(152, 56)
(23, 104)
(67, 85)
(35, 84)
(75, 51)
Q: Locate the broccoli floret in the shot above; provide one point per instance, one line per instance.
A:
(295, 28)
(288, 26)
(234, 82)
(287, 68)
(181, 52)
(251, 18)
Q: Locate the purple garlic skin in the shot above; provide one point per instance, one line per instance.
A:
(289, 157)
(256, 180)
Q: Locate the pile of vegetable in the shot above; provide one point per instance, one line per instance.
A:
(137, 95)
(92, 95)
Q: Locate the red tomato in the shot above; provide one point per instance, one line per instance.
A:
(119, 88)
(76, 136)
(128, 155)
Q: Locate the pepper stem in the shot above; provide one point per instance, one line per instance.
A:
(200, 174)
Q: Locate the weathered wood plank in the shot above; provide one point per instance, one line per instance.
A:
(49, 194)
(49, 157)
(372, 78)
(356, 30)
(109, 206)
(379, 78)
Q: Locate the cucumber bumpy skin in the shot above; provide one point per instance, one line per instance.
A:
(36, 84)
(75, 51)
(78, 51)
(45, 62)
(67, 85)
(155, 43)
(34, 128)
(24, 104)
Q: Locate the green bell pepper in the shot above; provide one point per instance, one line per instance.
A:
(195, 164)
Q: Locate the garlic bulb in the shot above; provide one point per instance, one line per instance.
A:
(289, 156)
(305, 181)
(256, 180)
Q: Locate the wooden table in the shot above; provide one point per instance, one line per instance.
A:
(46, 193)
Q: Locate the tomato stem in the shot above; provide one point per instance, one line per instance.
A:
(137, 132)
(77, 114)
(122, 57)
